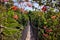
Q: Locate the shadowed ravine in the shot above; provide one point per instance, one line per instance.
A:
(27, 34)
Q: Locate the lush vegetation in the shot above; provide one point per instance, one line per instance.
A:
(13, 23)
(48, 24)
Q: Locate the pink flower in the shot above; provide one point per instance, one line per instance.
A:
(30, 5)
(44, 27)
(2, 0)
(15, 16)
(44, 8)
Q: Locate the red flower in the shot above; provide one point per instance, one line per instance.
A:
(15, 16)
(53, 17)
(44, 8)
(48, 30)
(14, 8)
(45, 35)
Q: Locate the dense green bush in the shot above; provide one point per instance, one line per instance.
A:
(13, 27)
(47, 24)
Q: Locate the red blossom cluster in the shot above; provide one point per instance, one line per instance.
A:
(44, 8)
(47, 31)
(14, 8)
(53, 17)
